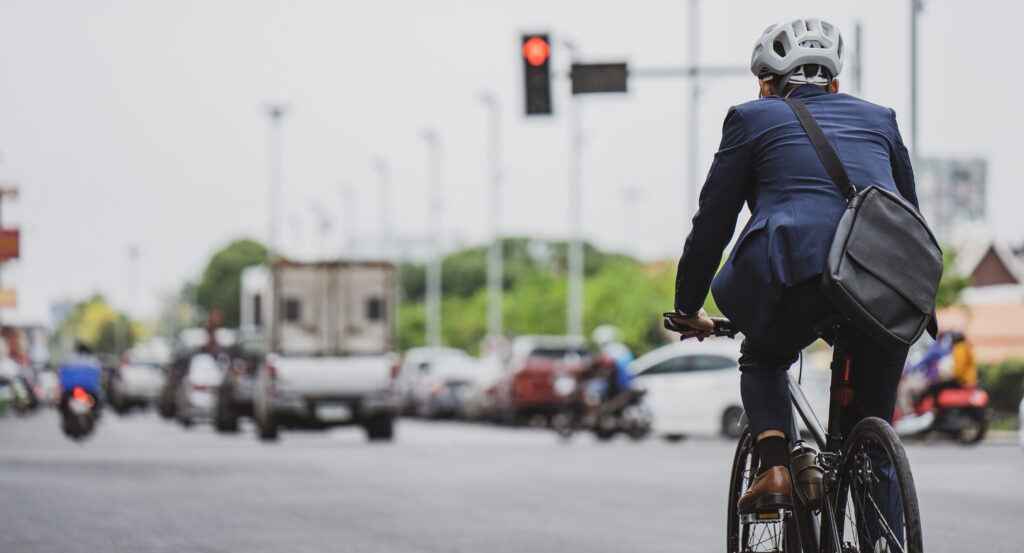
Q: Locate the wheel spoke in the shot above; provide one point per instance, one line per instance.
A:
(877, 492)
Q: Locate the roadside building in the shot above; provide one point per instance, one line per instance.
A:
(992, 310)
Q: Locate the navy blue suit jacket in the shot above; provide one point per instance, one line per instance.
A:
(766, 161)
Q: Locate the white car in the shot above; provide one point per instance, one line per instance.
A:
(692, 388)
(414, 373)
(141, 376)
(444, 385)
(476, 398)
(196, 397)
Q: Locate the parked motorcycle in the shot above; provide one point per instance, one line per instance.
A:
(960, 413)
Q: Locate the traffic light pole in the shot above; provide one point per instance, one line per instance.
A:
(915, 9)
(574, 305)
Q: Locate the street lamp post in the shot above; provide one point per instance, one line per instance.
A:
(630, 199)
(433, 306)
(276, 113)
(694, 175)
(348, 196)
(383, 169)
(495, 263)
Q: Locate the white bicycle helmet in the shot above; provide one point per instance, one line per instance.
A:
(792, 44)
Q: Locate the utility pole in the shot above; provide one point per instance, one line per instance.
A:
(276, 113)
(916, 6)
(383, 169)
(495, 263)
(857, 53)
(133, 280)
(433, 306)
(694, 185)
(574, 305)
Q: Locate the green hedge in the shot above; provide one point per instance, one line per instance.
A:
(1004, 383)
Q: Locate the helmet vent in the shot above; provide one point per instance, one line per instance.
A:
(779, 48)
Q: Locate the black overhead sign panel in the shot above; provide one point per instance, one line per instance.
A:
(598, 77)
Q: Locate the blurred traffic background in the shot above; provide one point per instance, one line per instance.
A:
(452, 227)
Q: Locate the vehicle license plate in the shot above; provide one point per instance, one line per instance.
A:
(333, 412)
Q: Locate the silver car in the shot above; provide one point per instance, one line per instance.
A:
(139, 379)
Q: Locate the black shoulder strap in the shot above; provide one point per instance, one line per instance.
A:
(828, 155)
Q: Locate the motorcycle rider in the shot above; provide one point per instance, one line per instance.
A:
(959, 354)
(81, 370)
(607, 338)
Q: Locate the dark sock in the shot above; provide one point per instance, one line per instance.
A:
(772, 452)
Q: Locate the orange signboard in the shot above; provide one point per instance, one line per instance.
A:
(8, 297)
(10, 244)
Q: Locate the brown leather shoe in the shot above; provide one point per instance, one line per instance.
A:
(770, 491)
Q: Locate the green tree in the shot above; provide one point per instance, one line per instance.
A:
(99, 325)
(618, 290)
(221, 284)
(952, 283)
(465, 271)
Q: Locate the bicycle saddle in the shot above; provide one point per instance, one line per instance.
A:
(834, 327)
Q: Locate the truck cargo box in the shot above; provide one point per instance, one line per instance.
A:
(332, 308)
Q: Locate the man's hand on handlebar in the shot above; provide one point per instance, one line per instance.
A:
(699, 326)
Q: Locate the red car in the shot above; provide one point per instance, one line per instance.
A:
(527, 388)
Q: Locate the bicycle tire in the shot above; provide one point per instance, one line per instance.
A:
(739, 535)
(862, 455)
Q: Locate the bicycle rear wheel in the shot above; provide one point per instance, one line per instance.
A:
(876, 507)
(743, 535)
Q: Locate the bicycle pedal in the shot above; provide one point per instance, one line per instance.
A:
(767, 516)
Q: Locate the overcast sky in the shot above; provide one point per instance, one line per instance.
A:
(141, 122)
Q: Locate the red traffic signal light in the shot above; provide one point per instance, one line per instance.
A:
(536, 51)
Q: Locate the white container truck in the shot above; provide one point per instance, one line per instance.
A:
(329, 333)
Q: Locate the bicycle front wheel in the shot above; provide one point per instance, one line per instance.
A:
(753, 536)
(876, 505)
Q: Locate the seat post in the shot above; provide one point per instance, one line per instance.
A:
(840, 392)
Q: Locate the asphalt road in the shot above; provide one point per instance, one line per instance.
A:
(144, 485)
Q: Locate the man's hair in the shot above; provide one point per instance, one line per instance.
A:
(811, 73)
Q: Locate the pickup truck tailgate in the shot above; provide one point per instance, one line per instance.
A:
(332, 376)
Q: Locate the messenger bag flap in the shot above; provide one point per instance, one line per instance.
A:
(877, 240)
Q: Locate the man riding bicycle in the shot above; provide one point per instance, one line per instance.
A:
(770, 285)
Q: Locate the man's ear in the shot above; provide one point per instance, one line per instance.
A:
(833, 87)
(767, 89)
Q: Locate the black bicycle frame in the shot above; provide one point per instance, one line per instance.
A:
(829, 441)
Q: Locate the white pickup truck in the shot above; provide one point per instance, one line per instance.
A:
(329, 333)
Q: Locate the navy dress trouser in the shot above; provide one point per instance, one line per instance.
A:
(764, 385)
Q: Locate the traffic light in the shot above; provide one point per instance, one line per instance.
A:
(536, 54)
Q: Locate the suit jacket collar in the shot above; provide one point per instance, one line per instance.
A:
(806, 91)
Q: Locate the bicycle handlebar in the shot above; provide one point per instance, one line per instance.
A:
(723, 327)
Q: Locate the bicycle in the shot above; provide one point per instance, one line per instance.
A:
(840, 488)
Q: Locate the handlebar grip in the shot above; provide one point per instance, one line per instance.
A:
(723, 327)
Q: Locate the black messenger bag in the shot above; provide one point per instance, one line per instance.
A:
(884, 265)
